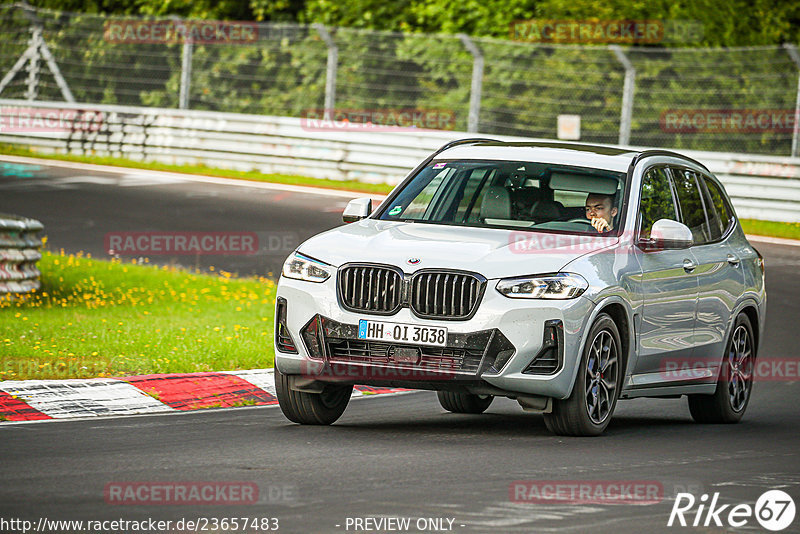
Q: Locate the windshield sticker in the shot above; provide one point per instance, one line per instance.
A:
(395, 210)
(440, 165)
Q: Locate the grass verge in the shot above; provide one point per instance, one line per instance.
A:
(95, 318)
(348, 185)
(771, 228)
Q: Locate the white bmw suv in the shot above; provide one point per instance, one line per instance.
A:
(564, 276)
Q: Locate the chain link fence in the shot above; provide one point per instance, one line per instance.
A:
(740, 100)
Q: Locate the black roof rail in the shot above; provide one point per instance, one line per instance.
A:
(468, 141)
(657, 152)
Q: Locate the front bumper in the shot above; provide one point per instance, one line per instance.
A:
(491, 350)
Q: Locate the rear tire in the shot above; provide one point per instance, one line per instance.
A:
(464, 402)
(735, 381)
(311, 408)
(588, 409)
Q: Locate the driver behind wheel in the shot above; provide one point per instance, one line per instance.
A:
(600, 211)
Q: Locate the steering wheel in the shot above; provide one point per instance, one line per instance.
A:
(581, 220)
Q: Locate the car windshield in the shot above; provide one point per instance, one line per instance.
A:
(511, 194)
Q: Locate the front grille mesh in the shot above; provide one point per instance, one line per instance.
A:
(431, 358)
(431, 294)
(444, 294)
(371, 288)
(466, 356)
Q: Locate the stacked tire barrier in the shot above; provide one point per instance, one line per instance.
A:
(19, 252)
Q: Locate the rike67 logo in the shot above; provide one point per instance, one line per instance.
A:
(774, 510)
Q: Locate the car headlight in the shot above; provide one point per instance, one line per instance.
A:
(302, 267)
(545, 286)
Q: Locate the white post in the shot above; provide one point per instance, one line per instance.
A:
(330, 74)
(186, 62)
(626, 116)
(792, 49)
(474, 117)
(186, 75)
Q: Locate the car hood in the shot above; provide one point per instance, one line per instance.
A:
(494, 253)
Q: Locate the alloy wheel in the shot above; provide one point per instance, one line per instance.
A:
(601, 376)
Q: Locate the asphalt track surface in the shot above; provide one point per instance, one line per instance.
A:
(393, 456)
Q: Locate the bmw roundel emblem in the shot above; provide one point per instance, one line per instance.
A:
(413, 261)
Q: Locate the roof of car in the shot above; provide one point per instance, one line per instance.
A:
(575, 154)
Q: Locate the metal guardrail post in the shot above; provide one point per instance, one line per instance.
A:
(626, 116)
(330, 73)
(186, 75)
(19, 253)
(792, 50)
(186, 67)
(473, 120)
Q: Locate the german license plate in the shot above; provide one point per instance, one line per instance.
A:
(402, 333)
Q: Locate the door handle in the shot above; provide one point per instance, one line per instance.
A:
(689, 265)
(733, 260)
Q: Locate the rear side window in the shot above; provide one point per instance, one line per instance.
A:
(722, 218)
(691, 206)
(657, 200)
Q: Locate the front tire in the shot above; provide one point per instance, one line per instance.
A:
(588, 409)
(735, 381)
(464, 402)
(311, 408)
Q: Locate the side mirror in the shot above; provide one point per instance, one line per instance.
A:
(357, 209)
(667, 234)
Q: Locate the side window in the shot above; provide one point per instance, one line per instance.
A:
(417, 208)
(471, 192)
(691, 205)
(656, 200)
(723, 215)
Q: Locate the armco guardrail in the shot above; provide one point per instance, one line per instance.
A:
(19, 252)
(762, 187)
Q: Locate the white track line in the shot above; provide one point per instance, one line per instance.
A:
(134, 415)
(190, 177)
(774, 240)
